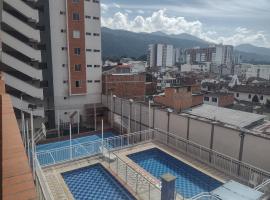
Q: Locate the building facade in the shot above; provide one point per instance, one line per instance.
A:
(21, 60)
(75, 48)
(219, 99)
(217, 54)
(129, 86)
(258, 71)
(160, 55)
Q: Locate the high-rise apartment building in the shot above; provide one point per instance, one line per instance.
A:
(21, 55)
(216, 54)
(160, 55)
(74, 52)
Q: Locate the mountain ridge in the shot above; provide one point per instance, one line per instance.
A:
(117, 43)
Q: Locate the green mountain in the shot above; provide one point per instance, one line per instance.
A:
(117, 43)
(125, 43)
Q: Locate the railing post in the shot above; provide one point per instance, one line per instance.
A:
(136, 183)
(126, 173)
(149, 188)
(117, 166)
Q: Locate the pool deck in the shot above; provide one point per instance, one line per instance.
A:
(60, 190)
(56, 182)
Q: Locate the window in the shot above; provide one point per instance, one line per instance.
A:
(77, 51)
(90, 81)
(76, 34)
(63, 31)
(206, 98)
(64, 48)
(89, 50)
(96, 50)
(78, 84)
(237, 94)
(96, 34)
(214, 99)
(261, 97)
(87, 17)
(75, 1)
(96, 66)
(76, 16)
(63, 65)
(249, 96)
(97, 81)
(78, 67)
(62, 12)
(95, 1)
(96, 18)
(87, 33)
(64, 81)
(89, 65)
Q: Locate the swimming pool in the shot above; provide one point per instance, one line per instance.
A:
(74, 141)
(57, 152)
(95, 183)
(189, 181)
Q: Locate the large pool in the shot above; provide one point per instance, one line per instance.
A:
(189, 181)
(57, 152)
(95, 183)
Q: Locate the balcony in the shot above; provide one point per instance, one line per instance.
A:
(24, 9)
(21, 66)
(20, 46)
(21, 27)
(23, 105)
(23, 86)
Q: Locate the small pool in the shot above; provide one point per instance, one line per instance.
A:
(57, 152)
(189, 181)
(95, 183)
(80, 140)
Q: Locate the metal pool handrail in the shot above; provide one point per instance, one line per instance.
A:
(212, 157)
(139, 176)
(95, 141)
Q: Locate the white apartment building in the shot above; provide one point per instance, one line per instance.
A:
(223, 55)
(21, 61)
(259, 71)
(76, 64)
(160, 55)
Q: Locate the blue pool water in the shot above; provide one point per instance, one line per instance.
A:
(95, 183)
(81, 147)
(66, 143)
(189, 181)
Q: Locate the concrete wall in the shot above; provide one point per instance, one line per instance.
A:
(226, 141)
(178, 125)
(256, 151)
(200, 132)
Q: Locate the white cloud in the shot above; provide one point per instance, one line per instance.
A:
(140, 12)
(116, 5)
(104, 8)
(160, 21)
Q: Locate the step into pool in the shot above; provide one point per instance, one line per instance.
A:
(189, 181)
(95, 183)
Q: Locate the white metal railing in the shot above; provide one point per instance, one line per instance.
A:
(204, 196)
(263, 187)
(138, 182)
(42, 187)
(243, 172)
(73, 152)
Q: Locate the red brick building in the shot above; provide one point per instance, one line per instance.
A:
(124, 85)
(219, 99)
(180, 98)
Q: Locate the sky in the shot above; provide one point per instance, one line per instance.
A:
(220, 21)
